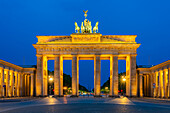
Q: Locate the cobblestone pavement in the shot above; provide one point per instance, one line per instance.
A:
(85, 105)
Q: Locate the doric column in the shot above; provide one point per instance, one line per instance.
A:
(1, 82)
(131, 79)
(159, 87)
(97, 76)
(113, 76)
(27, 85)
(154, 81)
(16, 83)
(21, 93)
(141, 85)
(24, 84)
(6, 80)
(19, 83)
(151, 84)
(39, 76)
(75, 76)
(164, 83)
(169, 82)
(45, 74)
(32, 85)
(58, 76)
(11, 82)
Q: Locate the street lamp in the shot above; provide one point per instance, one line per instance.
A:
(123, 80)
(51, 80)
(65, 89)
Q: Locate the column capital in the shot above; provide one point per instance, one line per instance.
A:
(19, 72)
(141, 74)
(39, 55)
(6, 68)
(11, 70)
(57, 55)
(31, 74)
(133, 54)
(15, 72)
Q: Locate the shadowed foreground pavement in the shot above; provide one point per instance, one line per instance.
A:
(85, 105)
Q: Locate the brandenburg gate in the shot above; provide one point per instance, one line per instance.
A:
(87, 45)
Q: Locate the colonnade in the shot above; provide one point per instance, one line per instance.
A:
(14, 83)
(155, 83)
(41, 79)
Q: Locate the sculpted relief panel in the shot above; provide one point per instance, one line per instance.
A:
(86, 39)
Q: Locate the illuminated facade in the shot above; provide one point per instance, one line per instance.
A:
(91, 46)
(87, 45)
(154, 81)
(16, 80)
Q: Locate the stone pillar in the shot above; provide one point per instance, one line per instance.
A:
(169, 82)
(32, 85)
(151, 85)
(39, 76)
(141, 85)
(58, 76)
(154, 81)
(28, 83)
(19, 83)
(21, 93)
(12, 82)
(113, 76)
(97, 76)
(6, 80)
(24, 84)
(45, 74)
(75, 76)
(16, 83)
(1, 82)
(131, 79)
(159, 87)
(164, 84)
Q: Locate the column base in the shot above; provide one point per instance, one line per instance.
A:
(97, 96)
(74, 96)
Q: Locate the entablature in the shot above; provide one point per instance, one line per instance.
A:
(86, 38)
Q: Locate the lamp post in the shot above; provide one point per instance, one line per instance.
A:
(50, 81)
(123, 81)
(65, 89)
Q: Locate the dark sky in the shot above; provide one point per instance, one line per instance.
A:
(22, 20)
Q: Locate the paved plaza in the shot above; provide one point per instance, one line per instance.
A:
(83, 105)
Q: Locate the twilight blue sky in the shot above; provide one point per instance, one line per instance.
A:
(22, 20)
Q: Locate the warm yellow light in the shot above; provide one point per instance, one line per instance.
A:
(65, 88)
(50, 79)
(124, 79)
